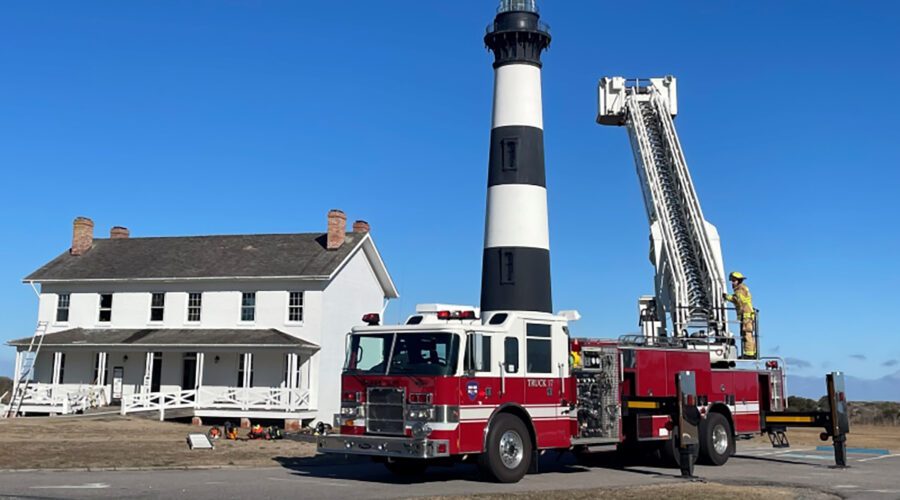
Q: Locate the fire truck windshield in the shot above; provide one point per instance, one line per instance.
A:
(402, 354)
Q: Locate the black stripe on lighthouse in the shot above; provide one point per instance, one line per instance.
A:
(516, 259)
(517, 156)
(516, 279)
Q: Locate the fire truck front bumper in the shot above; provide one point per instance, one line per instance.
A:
(381, 446)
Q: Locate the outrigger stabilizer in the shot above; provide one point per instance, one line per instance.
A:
(835, 420)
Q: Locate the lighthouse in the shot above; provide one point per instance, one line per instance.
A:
(516, 260)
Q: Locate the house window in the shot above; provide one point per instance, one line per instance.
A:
(241, 369)
(157, 306)
(62, 308)
(510, 150)
(248, 306)
(195, 300)
(295, 307)
(106, 301)
(538, 347)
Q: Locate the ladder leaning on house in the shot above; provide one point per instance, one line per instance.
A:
(26, 370)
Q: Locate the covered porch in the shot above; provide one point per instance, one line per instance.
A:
(215, 373)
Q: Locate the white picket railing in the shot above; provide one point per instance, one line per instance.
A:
(226, 398)
(62, 399)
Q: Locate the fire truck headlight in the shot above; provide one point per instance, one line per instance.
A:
(420, 414)
(351, 411)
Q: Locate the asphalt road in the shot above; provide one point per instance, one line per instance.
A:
(870, 476)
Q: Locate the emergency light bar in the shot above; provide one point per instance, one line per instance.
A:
(371, 319)
(456, 314)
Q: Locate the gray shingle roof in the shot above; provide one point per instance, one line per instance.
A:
(255, 255)
(148, 337)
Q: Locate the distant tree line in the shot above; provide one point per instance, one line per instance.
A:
(861, 412)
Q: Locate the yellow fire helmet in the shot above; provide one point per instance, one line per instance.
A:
(737, 276)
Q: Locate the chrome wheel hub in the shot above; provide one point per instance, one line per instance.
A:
(512, 449)
(720, 439)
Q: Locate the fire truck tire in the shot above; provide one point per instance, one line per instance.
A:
(508, 453)
(407, 467)
(716, 439)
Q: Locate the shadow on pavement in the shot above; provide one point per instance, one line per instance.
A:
(364, 469)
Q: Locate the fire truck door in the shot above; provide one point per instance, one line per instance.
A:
(543, 386)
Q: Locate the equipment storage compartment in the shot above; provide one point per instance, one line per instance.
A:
(597, 385)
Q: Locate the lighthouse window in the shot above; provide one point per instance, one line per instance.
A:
(510, 149)
(507, 268)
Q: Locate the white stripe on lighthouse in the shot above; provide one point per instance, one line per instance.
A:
(517, 96)
(517, 217)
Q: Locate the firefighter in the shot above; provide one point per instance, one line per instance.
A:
(743, 305)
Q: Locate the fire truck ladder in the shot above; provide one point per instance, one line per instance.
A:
(26, 370)
(690, 278)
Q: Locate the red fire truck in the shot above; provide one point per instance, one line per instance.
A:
(450, 386)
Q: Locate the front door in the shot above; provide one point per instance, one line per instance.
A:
(189, 371)
(157, 372)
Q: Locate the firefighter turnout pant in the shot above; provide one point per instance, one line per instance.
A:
(748, 343)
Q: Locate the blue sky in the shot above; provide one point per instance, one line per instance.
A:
(184, 118)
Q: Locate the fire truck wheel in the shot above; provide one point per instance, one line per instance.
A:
(716, 439)
(508, 453)
(406, 467)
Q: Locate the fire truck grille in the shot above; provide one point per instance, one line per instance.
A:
(385, 410)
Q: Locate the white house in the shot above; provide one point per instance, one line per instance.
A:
(242, 326)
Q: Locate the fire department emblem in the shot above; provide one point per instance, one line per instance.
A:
(472, 390)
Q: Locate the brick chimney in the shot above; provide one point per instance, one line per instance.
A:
(119, 233)
(82, 235)
(337, 229)
(360, 226)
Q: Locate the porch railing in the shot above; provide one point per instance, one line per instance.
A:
(62, 399)
(227, 398)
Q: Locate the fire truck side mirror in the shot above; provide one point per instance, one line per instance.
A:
(475, 352)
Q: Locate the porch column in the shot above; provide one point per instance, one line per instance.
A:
(198, 378)
(148, 371)
(18, 373)
(101, 368)
(57, 367)
(248, 369)
(291, 382)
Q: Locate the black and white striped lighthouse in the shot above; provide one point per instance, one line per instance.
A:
(515, 272)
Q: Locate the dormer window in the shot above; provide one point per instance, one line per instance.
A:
(106, 302)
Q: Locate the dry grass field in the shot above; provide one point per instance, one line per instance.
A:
(861, 436)
(116, 442)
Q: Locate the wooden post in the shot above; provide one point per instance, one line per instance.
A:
(57, 367)
(148, 371)
(198, 378)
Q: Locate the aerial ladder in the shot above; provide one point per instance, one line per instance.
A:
(684, 248)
